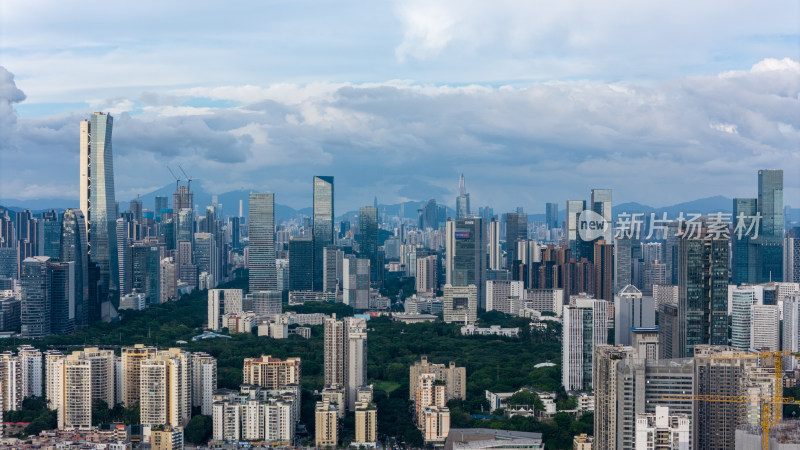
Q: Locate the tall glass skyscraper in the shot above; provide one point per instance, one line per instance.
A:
(368, 232)
(462, 201)
(769, 261)
(466, 255)
(263, 276)
(75, 249)
(323, 225)
(743, 258)
(97, 197)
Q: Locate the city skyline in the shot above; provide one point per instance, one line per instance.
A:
(402, 103)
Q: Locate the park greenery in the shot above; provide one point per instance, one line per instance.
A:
(496, 364)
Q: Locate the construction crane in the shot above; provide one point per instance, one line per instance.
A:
(769, 406)
(177, 180)
(188, 178)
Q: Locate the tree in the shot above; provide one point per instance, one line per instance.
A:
(526, 398)
(199, 429)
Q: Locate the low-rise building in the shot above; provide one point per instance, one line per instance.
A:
(486, 438)
(493, 330)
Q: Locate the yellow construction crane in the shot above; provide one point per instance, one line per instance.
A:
(769, 416)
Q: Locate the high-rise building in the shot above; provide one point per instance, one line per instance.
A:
(742, 300)
(50, 234)
(505, 296)
(165, 388)
(326, 424)
(605, 361)
(466, 255)
(604, 270)
(668, 330)
(323, 224)
(791, 330)
(130, 364)
(332, 264)
(75, 405)
(601, 205)
(36, 312)
(61, 296)
(355, 366)
(97, 200)
(743, 252)
(663, 430)
(266, 303)
(206, 257)
(453, 378)
(368, 232)
(495, 252)
(169, 280)
(551, 216)
(585, 325)
(11, 393)
(765, 324)
(631, 310)
(74, 248)
(366, 418)
(53, 361)
(460, 304)
(355, 282)
(30, 360)
(255, 414)
(263, 276)
(334, 352)
(702, 291)
(272, 373)
(426, 277)
(462, 201)
(301, 264)
(221, 302)
(204, 381)
(146, 259)
(791, 258)
(574, 210)
(516, 231)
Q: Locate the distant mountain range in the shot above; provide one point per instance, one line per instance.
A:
(230, 202)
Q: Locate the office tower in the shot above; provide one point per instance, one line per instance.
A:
(75, 405)
(272, 373)
(97, 197)
(791, 330)
(61, 296)
(131, 362)
(7, 232)
(460, 304)
(124, 256)
(221, 302)
(721, 372)
(604, 270)
(655, 274)
(466, 255)
(702, 291)
(301, 264)
(331, 265)
(27, 240)
(655, 430)
(585, 325)
(187, 270)
(205, 256)
(161, 203)
(601, 205)
(495, 252)
(742, 300)
(743, 252)
(632, 310)
(266, 303)
(668, 330)
(30, 360)
(355, 282)
(236, 223)
(366, 418)
(10, 310)
(74, 248)
(453, 378)
(551, 216)
(355, 367)
(323, 224)
(204, 381)
(334, 352)
(169, 280)
(184, 225)
(770, 202)
(623, 275)
(505, 296)
(462, 201)
(605, 361)
(765, 323)
(516, 230)
(35, 315)
(427, 271)
(165, 388)
(49, 234)
(146, 269)
(429, 215)
(327, 425)
(262, 242)
(368, 232)
(791, 258)
(574, 209)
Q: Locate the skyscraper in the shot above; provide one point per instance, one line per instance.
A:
(743, 262)
(585, 326)
(323, 225)
(462, 201)
(466, 255)
(301, 264)
(702, 291)
(368, 245)
(574, 209)
(263, 276)
(791, 257)
(97, 197)
(601, 205)
(551, 215)
(631, 310)
(355, 282)
(770, 240)
(74, 248)
(35, 298)
(516, 231)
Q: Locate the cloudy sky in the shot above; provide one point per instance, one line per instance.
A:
(534, 101)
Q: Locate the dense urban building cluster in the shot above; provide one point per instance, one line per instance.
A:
(657, 314)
